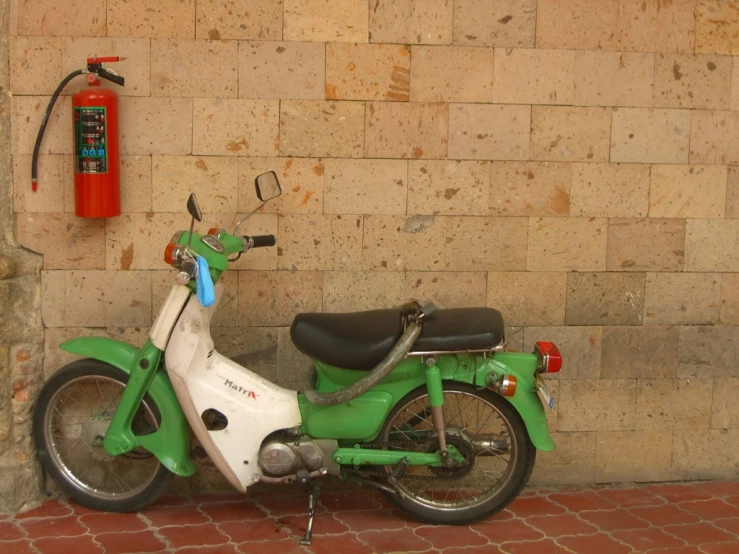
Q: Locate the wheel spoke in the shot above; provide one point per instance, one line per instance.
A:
(69, 397)
(61, 415)
(120, 479)
(492, 413)
(415, 415)
(102, 398)
(402, 433)
(115, 398)
(473, 424)
(75, 446)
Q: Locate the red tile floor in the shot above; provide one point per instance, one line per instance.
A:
(699, 518)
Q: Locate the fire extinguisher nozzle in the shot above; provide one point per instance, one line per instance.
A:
(44, 121)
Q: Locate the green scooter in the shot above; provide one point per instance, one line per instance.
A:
(422, 403)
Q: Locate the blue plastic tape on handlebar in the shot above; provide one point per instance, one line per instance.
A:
(205, 291)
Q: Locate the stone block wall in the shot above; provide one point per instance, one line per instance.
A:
(573, 163)
(21, 329)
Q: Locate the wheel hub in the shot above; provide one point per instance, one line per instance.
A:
(465, 448)
(93, 435)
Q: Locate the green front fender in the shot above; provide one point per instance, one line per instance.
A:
(171, 442)
(525, 400)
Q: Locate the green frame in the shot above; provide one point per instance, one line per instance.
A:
(365, 456)
(351, 423)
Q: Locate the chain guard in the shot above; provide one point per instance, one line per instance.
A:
(440, 473)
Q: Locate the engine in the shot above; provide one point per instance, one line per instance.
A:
(284, 456)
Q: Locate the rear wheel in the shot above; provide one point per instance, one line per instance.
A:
(72, 414)
(490, 435)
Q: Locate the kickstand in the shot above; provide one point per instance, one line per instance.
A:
(313, 488)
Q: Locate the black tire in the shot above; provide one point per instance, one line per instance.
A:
(519, 474)
(72, 372)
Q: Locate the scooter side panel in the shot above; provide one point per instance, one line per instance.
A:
(361, 419)
(204, 379)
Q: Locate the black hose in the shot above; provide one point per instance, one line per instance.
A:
(45, 120)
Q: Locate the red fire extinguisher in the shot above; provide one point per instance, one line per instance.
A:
(96, 159)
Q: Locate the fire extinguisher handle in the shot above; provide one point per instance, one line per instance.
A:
(110, 76)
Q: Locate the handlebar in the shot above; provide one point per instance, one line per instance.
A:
(188, 271)
(260, 241)
(190, 267)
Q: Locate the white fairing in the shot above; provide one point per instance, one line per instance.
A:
(160, 331)
(203, 379)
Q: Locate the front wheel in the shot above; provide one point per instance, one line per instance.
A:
(485, 429)
(72, 414)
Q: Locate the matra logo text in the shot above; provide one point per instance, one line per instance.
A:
(233, 386)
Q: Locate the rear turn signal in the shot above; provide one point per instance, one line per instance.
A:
(549, 360)
(505, 385)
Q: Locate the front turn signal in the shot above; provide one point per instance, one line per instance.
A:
(172, 254)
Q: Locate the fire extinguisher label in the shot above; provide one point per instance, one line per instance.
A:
(90, 140)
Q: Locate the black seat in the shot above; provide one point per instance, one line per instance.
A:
(360, 340)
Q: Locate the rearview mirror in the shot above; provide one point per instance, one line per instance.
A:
(268, 186)
(193, 208)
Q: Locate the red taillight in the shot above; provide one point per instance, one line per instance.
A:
(550, 360)
(171, 254)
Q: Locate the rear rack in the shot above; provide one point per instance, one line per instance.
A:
(496, 348)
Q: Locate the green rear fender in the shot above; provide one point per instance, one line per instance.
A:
(525, 400)
(171, 442)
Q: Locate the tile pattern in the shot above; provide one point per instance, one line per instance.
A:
(686, 518)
